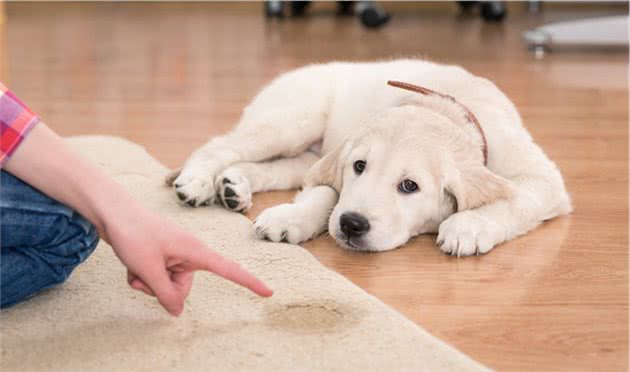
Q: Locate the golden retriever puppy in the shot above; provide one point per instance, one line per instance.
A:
(438, 150)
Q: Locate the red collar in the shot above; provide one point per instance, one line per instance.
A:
(468, 114)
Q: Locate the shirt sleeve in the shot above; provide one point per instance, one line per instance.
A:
(16, 120)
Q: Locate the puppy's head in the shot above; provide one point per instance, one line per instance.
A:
(400, 181)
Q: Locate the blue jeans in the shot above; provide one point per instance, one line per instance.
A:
(41, 241)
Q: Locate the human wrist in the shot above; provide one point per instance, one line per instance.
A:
(115, 210)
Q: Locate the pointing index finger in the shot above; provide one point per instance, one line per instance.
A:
(231, 271)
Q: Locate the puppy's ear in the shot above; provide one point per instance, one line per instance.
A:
(474, 186)
(329, 169)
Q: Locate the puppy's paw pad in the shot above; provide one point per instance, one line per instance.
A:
(234, 190)
(194, 192)
(466, 233)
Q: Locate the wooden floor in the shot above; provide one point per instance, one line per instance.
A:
(168, 76)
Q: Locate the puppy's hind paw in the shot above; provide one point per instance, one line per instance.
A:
(193, 191)
(234, 190)
(172, 176)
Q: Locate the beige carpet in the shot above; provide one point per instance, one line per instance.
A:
(316, 320)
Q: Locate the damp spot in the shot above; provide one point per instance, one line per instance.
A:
(311, 316)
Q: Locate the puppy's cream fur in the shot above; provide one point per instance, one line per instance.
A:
(309, 126)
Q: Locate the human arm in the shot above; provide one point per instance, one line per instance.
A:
(160, 257)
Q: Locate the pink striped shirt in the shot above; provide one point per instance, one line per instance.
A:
(16, 120)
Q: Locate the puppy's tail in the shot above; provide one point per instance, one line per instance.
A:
(171, 176)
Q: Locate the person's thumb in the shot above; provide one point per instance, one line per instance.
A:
(166, 292)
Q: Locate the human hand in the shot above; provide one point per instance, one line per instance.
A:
(161, 259)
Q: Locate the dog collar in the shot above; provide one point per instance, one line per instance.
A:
(470, 117)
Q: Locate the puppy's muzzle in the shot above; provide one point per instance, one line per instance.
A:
(353, 225)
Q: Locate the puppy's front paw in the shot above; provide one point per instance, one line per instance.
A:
(285, 223)
(466, 233)
(194, 189)
(234, 190)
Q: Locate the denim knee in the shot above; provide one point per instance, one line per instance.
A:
(67, 241)
(73, 243)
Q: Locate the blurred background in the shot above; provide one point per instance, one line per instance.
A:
(169, 75)
(122, 67)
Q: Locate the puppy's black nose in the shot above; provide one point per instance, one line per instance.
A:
(353, 225)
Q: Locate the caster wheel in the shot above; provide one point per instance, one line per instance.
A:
(493, 11)
(467, 6)
(274, 9)
(345, 8)
(373, 17)
(298, 8)
(538, 42)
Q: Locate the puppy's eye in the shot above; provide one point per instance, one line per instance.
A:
(359, 166)
(408, 186)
